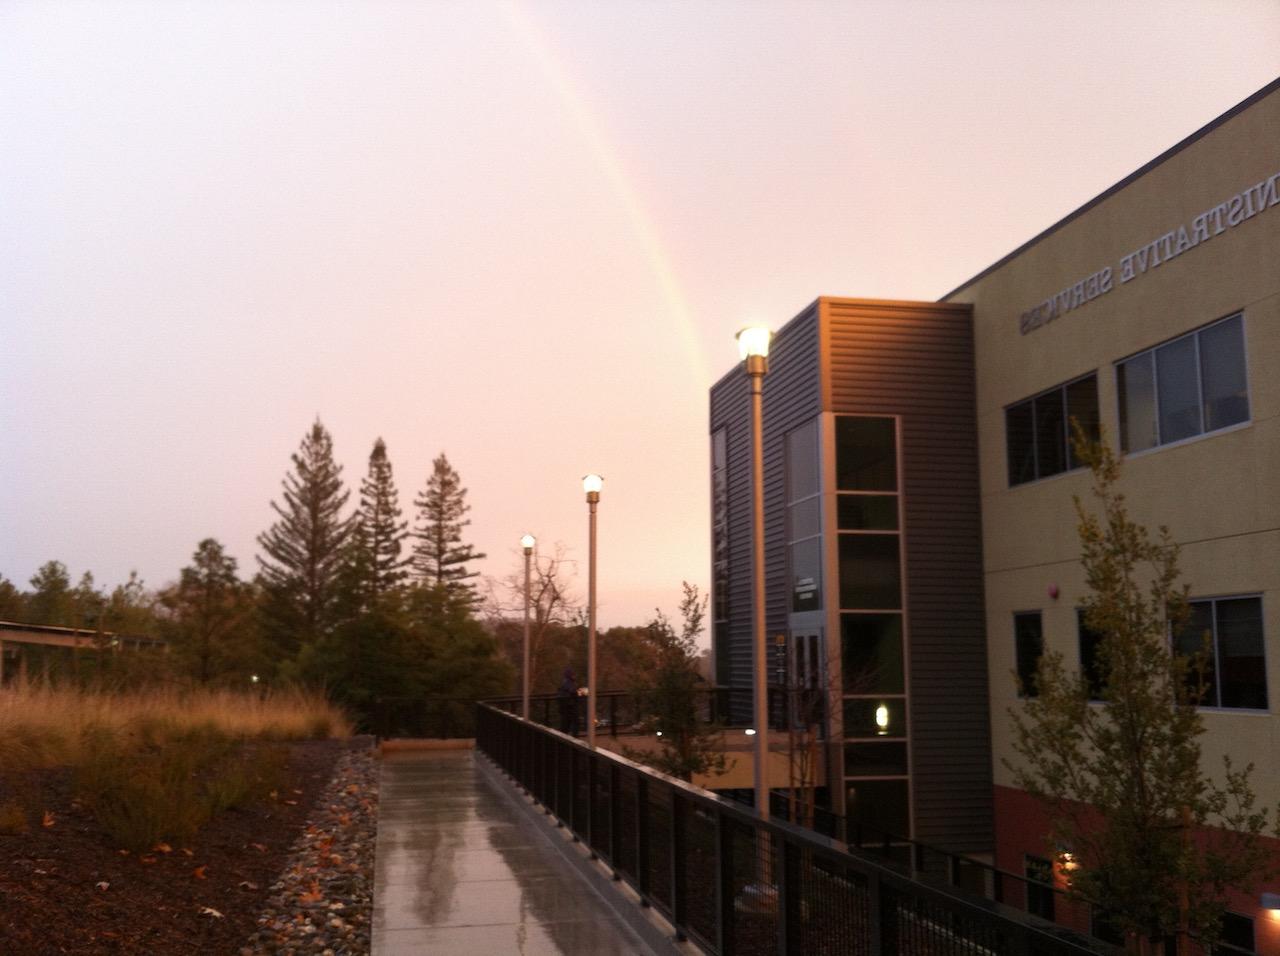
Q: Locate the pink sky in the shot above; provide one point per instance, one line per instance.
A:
(520, 233)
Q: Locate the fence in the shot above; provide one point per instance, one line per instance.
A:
(738, 885)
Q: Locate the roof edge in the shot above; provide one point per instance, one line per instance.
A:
(1176, 148)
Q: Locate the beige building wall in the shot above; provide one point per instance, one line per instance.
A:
(1218, 493)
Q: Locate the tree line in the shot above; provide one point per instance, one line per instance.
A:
(351, 599)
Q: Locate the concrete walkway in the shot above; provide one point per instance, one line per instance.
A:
(460, 870)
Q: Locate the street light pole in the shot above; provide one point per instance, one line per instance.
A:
(591, 484)
(527, 542)
(753, 344)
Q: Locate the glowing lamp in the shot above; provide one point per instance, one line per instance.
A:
(753, 341)
(528, 541)
(882, 719)
(592, 484)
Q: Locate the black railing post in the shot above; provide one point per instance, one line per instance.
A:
(615, 831)
(642, 837)
(613, 716)
(679, 905)
(724, 884)
(790, 890)
(591, 805)
(574, 822)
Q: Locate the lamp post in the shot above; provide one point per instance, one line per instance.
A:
(527, 542)
(753, 345)
(591, 484)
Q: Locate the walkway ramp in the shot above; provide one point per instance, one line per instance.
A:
(460, 869)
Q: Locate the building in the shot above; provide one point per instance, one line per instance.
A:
(919, 526)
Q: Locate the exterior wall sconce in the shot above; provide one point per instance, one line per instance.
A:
(1053, 591)
(882, 720)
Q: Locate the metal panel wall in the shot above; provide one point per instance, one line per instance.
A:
(792, 395)
(915, 360)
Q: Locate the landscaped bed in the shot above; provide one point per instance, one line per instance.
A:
(129, 829)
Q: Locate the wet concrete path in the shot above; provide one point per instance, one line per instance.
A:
(459, 870)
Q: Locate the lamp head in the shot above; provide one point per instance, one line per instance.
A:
(754, 341)
(527, 542)
(592, 484)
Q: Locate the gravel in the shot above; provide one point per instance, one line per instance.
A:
(323, 902)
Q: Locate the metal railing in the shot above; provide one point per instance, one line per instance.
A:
(430, 718)
(736, 884)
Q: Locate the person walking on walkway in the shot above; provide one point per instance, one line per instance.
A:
(568, 695)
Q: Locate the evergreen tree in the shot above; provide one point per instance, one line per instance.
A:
(209, 605)
(379, 534)
(669, 694)
(12, 602)
(439, 556)
(305, 548)
(51, 601)
(1155, 841)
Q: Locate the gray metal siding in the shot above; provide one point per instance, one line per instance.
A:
(916, 361)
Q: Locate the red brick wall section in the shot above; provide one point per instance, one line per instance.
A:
(1022, 827)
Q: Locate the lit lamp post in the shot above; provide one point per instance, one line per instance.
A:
(753, 345)
(527, 542)
(591, 484)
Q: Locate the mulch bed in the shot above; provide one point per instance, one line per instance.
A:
(65, 889)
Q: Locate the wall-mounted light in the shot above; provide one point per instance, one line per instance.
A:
(658, 734)
(882, 720)
(750, 731)
(1053, 591)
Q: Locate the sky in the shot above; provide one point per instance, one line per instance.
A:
(522, 234)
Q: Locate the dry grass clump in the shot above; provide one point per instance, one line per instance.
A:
(42, 726)
(156, 763)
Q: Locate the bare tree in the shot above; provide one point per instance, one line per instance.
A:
(554, 609)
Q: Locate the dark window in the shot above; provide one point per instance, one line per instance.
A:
(719, 526)
(878, 804)
(875, 759)
(802, 461)
(806, 575)
(1038, 432)
(1039, 873)
(1235, 936)
(868, 512)
(1090, 664)
(1028, 636)
(871, 653)
(875, 717)
(1228, 631)
(870, 571)
(866, 454)
(1192, 385)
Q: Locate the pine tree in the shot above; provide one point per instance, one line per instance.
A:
(439, 557)
(209, 605)
(51, 601)
(379, 533)
(305, 549)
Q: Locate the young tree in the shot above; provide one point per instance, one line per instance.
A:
(1123, 780)
(670, 696)
(305, 549)
(439, 557)
(211, 610)
(379, 534)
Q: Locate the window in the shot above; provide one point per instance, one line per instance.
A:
(1236, 936)
(1190, 386)
(871, 654)
(1229, 631)
(720, 553)
(1090, 666)
(1039, 874)
(804, 517)
(1028, 636)
(1038, 433)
